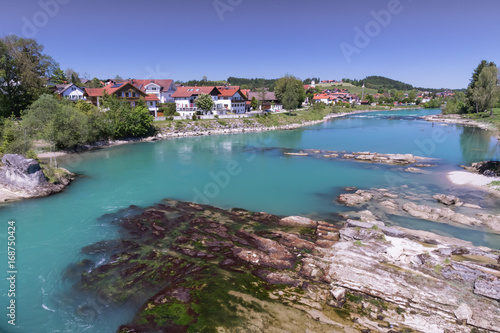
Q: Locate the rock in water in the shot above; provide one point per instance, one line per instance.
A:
(447, 199)
(22, 177)
(22, 172)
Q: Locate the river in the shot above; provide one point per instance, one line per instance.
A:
(247, 170)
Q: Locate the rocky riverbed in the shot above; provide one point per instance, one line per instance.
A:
(22, 178)
(191, 267)
(440, 207)
(372, 157)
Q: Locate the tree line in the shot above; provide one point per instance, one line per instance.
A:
(65, 124)
(30, 111)
(482, 94)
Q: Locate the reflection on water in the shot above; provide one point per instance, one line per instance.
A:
(478, 145)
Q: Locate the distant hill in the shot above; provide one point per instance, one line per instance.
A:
(252, 83)
(376, 82)
(384, 83)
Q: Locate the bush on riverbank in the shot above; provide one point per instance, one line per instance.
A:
(67, 125)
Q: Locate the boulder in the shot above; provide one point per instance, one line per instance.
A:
(487, 168)
(447, 199)
(353, 199)
(22, 172)
(298, 221)
(463, 312)
(338, 293)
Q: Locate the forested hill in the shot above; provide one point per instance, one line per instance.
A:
(381, 83)
(376, 82)
(252, 83)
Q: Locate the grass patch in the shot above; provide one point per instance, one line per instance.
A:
(54, 175)
(485, 117)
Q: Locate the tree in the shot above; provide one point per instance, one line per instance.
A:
(204, 102)
(58, 76)
(69, 72)
(370, 99)
(14, 138)
(125, 121)
(475, 77)
(75, 79)
(290, 91)
(23, 69)
(118, 78)
(95, 83)
(486, 93)
(254, 103)
(455, 104)
(412, 95)
(41, 121)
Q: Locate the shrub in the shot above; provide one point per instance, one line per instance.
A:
(168, 109)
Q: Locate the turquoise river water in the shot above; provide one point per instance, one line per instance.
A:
(240, 170)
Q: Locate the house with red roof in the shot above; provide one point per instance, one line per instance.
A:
(324, 98)
(185, 98)
(124, 90)
(163, 89)
(232, 99)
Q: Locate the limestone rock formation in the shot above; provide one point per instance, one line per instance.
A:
(22, 172)
(21, 177)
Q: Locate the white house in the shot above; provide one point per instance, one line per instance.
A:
(185, 98)
(152, 104)
(231, 99)
(163, 89)
(70, 91)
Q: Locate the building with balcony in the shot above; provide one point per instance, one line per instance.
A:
(163, 89)
(232, 99)
(185, 98)
(123, 90)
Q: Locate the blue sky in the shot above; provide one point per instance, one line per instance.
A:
(425, 43)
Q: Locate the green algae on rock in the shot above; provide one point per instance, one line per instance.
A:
(197, 268)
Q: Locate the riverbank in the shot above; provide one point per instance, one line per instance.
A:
(485, 183)
(462, 120)
(191, 128)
